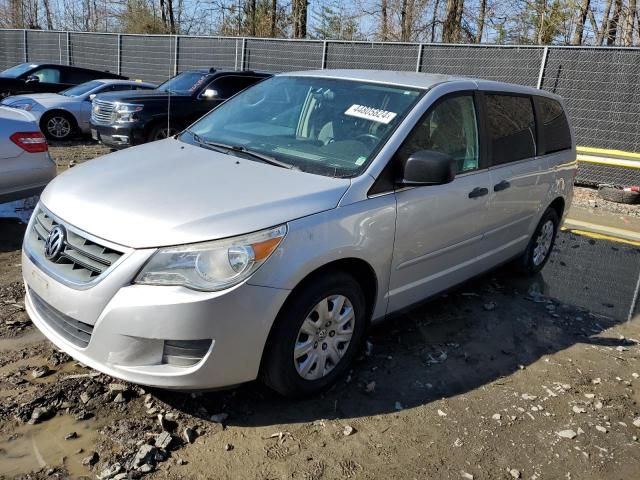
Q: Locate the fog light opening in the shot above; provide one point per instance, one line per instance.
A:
(184, 353)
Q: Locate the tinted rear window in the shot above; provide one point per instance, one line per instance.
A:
(511, 125)
(555, 131)
(78, 76)
(230, 85)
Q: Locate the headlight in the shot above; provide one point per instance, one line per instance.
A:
(125, 112)
(22, 106)
(212, 266)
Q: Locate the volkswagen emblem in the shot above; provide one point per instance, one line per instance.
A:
(54, 244)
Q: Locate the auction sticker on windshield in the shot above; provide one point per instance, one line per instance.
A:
(370, 113)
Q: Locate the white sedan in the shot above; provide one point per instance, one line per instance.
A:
(25, 164)
(65, 114)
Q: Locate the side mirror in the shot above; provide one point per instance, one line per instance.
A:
(32, 79)
(91, 97)
(210, 94)
(427, 167)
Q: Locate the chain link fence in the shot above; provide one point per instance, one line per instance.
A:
(600, 84)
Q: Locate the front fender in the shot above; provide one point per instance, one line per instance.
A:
(364, 230)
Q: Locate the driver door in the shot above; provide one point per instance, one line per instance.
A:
(439, 228)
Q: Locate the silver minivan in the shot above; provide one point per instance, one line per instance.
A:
(262, 241)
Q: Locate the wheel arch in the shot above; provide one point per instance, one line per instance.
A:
(49, 113)
(159, 120)
(558, 204)
(358, 268)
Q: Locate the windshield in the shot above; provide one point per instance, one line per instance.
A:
(184, 84)
(332, 127)
(81, 89)
(18, 70)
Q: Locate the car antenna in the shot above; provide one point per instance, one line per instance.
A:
(169, 96)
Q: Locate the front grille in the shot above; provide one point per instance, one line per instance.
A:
(73, 331)
(101, 112)
(81, 260)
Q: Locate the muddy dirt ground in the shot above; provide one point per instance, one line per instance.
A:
(505, 377)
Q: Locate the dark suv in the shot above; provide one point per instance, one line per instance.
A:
(123, 119)
(46, 77)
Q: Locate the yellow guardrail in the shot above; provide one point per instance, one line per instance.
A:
(614, 158)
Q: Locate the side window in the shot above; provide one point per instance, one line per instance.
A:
(76, 77)
(555, 131)
(449, 127)
(116, 87)
(48, 75)
(230, 85)
(511, 126)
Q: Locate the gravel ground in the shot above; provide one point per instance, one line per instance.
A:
(588, 198)
(491, 381)
(68, 154)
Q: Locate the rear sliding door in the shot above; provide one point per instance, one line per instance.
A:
(520, 179)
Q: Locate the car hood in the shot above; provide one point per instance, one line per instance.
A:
(139, 96)
(169, 193)
(45, 99)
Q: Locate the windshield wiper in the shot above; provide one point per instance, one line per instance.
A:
(240, 149)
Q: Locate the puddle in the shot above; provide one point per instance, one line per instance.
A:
(32, 447)
(57, 373)
(14, 343)
(599, 275)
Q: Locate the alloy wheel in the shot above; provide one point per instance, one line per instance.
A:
(59, 127)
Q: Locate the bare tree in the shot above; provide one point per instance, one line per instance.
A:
(252, 18)
(452, 22)
(480, 23)
(404, 30)
(299, 14)
(604, 24)
(582, 18)
(612, 24)
(630, 23)
(172, 19)
(434, 19)
(47, 12)
(274, 16)
(384, 20)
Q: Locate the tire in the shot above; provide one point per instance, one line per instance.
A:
(541, 244)
(58, 126)
(160, 131)
(283, 368)
(618, 195)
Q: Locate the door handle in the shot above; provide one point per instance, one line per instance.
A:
(478, 192)
(503, 185)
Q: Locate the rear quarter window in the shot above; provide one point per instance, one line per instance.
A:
(230, 85)
(77, 77)
(554, 127)
(511, 127)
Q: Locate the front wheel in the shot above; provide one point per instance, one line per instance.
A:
(541, 244)
(58, 126)
(162, 131)
(316, 335)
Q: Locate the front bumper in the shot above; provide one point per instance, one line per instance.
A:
(118, 136)
(128, 333)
